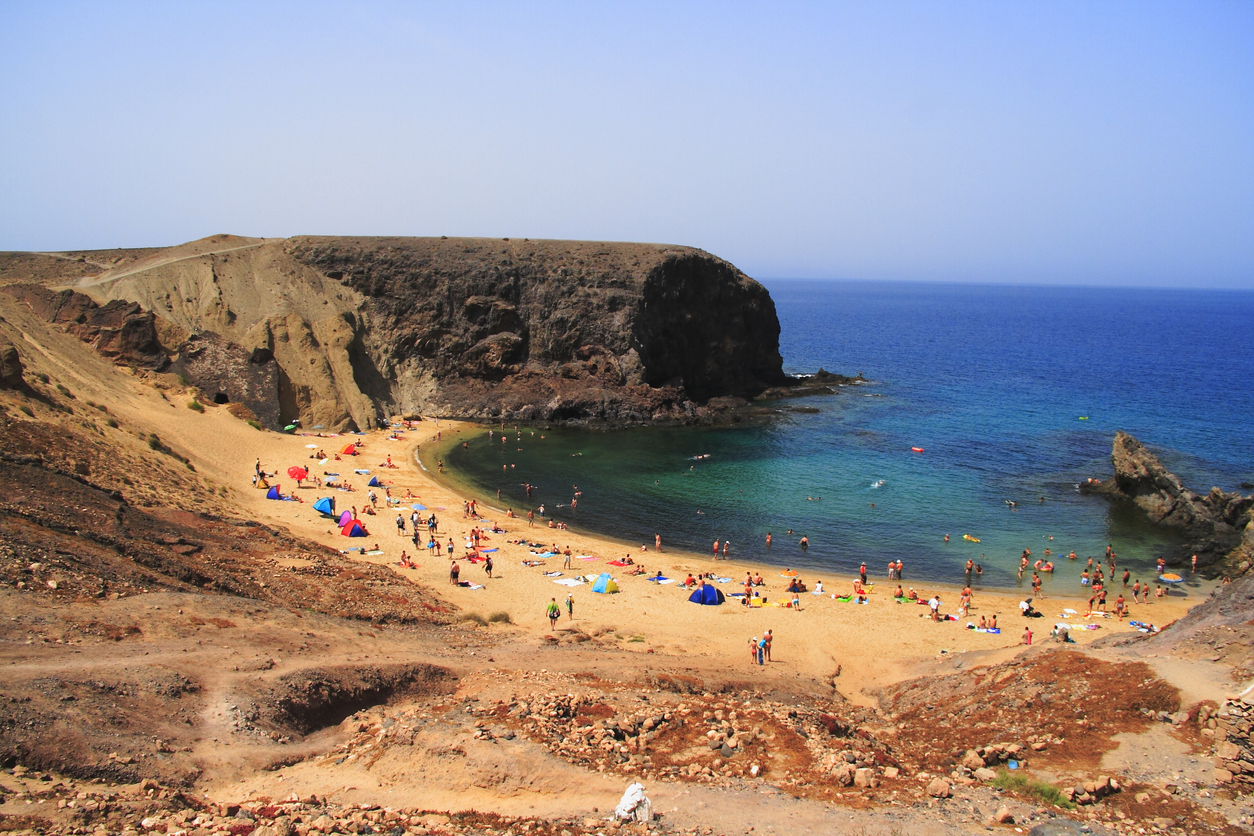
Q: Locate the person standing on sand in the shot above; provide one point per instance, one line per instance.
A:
(657, 542)
(726, 544)
(553, 612)
(487, 565)
(531, 519)
(767, 639)
(1027, 635)
(570, 606)
(753, 650)
(761, 648)
(566, 558)
(862, 573)
(453, 572)
(716, 549)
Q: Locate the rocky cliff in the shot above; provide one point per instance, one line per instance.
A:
(1217, 524)
(510, 330)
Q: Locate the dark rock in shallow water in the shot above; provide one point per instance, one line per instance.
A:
(1215, 523)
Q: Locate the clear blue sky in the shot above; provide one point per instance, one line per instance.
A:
(1046, 142)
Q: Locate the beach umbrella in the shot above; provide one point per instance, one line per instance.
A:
(298, 473)
(1171, 578)
(789, 573)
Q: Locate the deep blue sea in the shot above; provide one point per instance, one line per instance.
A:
(991, 381)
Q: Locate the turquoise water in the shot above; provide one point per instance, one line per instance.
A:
(990, 381)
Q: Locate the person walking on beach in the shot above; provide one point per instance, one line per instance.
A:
(531, 519)
(570, 606)
(553, 612)
(716, 549)
(487, 565)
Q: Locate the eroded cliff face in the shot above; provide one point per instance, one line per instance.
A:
(361, 328)
(552, 330)
(1218, 524)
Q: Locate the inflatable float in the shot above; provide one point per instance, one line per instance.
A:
(970, 539)
(917, 449)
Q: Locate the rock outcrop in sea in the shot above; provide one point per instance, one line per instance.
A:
(1216, 525)
(342, 332)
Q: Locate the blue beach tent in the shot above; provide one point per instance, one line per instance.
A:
(325, 506)
(604, 584)
(273, 493)
(709, 595)
(374, 482)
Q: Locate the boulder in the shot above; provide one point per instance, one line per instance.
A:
(864, 778)
(984, 774)
(1003, 816)
(938, 788)
(972, 760)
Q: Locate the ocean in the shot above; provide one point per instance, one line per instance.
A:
(1013, 394)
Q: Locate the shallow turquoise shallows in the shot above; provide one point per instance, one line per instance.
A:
(1013, 393)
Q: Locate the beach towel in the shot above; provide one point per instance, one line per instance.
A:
(552, 574)
(723, 580)
(656, 579)
(586, 557)
(846, 599)
(373, 551)
(569, 582)
(618, 563)
(493, 549)
(362, 472)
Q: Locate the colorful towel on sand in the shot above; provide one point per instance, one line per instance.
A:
(485, 551)
(658, 579)
(618, 563)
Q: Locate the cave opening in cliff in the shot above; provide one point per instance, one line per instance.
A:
(221, 398)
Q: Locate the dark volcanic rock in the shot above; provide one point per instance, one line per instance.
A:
(1215, 523)
(120, 330)
(10, 365)
(554, 330)
(225, 372)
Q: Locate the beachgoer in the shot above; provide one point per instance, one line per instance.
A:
(531, 519)
(487, 565)
(553, 612)
(862, 572)
(657, 542)
(805, 542)
(899, 568)
(796, 602)
(753, 650)
(768, 539)
(716, 549)
(761, 648)
(570, 606)
(992, 622)
(897, 593)
(934, 604)
(983, 623)
(767, 639)
(453, 572)
(1027, 635)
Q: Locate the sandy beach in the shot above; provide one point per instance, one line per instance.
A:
(870, 645)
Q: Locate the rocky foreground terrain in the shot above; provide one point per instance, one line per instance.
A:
(173, 667)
